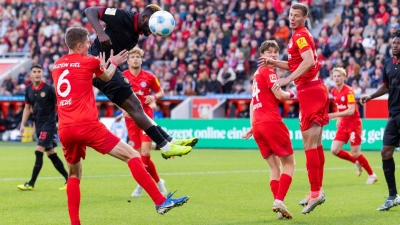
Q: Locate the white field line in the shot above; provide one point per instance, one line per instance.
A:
(182, 173)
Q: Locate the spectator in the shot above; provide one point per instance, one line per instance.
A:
(214, 86)
(201, 83)
(334, 40)
(244, 113)
(356, 87)
(157, 112)
(226, 77)
(8, 85)
(293, 111)
(21, 76)
(282, 33)
(353, 67)
(238, 89)
(189, 90)
(376, 79)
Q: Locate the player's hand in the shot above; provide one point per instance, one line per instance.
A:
(149, 99)
(365, 99)
(265, 61)
(104, 39)
(22, 130)
(120, 58)
(103, 63)
(248, 134)
(280, 82)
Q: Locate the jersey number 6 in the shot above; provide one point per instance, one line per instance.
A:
(61, 81)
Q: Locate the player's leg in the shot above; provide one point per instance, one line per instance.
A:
(337, 150)
(321, 156)
(275, 173)
(51, 153)
(362, 162)
(74, 192)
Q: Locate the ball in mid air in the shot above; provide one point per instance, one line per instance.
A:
(162, 23)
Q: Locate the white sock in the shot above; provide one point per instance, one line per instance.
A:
(278, 201)
(173, 140)
(166, 147)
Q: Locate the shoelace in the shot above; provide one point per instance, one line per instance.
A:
(169, 195)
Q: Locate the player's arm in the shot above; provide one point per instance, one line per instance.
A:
(156, 87)
(25, 115)
(306, 64)
(383, 89)
(282, 95)
(249, 133)
(351, 108)
(93, 14)
(114, 62)
(265, 61)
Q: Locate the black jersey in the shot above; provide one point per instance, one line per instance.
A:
(122, 28)
(391, 77)
(43, 102)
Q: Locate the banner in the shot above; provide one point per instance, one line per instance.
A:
(227, 133)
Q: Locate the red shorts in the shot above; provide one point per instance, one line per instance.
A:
(135, 134)
(314, 104)
(351, 132)
(74, 140)
(272, 138)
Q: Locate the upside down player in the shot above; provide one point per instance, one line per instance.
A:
(313, 99)
(122, 33)
(348, 125)
(79, 125)
(266, 123)
(391, 137)
(41, 98)
(142, 83)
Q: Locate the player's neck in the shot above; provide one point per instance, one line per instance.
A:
(397, 58)
(135, 72)
(340, 87)
(36, 85)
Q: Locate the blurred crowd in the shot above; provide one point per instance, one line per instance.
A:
(213, 49)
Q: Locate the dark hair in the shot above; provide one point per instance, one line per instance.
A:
(74, 36)
(269, 44)
(37, 66)
(302, 7)
(396, 34)
(152, 8)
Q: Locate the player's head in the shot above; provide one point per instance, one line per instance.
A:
(297, 15)
(396, 43)
(36, 73)
(270, 48)
(339, 75)
(145, 16)
(77, 40)
(135, 57)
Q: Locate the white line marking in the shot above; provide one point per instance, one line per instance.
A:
(181, 173)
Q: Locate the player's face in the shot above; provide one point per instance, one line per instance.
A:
(86, 46)
(272, 53)
(396, 46)
(296, 18)
(134, 61)
(145, 25)
(36, 75)
(338, 78)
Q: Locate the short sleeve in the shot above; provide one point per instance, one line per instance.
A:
(385, 78)
(302, 41)
(155, 84)
(350, 97)
(269, 75)
(113, 17)
(27, 100)
(96, 67)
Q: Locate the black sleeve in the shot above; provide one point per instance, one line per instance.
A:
(27, 100)
(385, 78)
(116, 18)
(52, 95)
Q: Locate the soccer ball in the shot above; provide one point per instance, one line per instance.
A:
(162, 23)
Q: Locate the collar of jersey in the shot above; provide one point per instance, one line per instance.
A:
(39, 88)
(394, 61)
(136, 22)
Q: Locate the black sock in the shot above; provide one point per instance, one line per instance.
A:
(164, 134)
(155, 135)
(388, 169)
(58, 164)
(37, 167)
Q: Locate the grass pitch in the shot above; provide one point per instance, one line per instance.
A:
(225, 187)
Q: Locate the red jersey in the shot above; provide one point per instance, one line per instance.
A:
(301, 41)
(265, 104)
(73, 75)
(343, 98)
(142, 85)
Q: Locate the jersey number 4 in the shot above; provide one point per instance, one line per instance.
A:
(62, 80)
(255, 91)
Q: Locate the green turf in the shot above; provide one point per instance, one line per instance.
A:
(225, 187)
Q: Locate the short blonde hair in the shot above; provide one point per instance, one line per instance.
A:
(340, 70)
(137, 51)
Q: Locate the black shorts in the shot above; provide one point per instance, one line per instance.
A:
(47, 138)
(391, 137)
(118, 89)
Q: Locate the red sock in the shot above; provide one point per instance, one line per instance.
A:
(321, 156)
(346, 156)
(274, 184)
(364, 163)
(284, 184)
(74, 199)
(150, 167)
(312, 165)
(144, 179)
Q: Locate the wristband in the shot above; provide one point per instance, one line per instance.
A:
(291, 94)
(114, 63)
(155, 97)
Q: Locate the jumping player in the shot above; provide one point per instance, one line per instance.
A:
(266, 123)
(348, 125)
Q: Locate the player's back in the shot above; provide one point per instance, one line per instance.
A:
(265, 104)
(343, 98)
(72, 77)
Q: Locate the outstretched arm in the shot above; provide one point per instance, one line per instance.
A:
(383, 89)
(93, 15)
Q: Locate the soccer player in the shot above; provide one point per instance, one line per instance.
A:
(270, 133)
(122, 33)
(313, 99)
(349, 125)
(79, 125)
(391, 137)
(143, 82)
(41, 98)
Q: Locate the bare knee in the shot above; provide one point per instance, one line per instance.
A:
(50, 152)
(387, 152)
(75, 170)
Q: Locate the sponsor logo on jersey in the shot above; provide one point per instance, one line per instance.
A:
(273, 78)
(42, 94)
(341, 106)
(143, 84)
(302, 42)
(126, 80)
(110, 11)
(342, 98)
